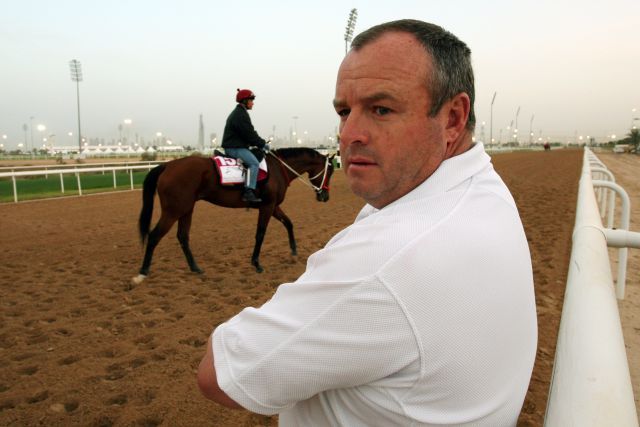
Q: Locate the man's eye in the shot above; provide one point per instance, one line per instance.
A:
(381, 111)
(344, 112)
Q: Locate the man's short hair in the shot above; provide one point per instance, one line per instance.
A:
(452, 71)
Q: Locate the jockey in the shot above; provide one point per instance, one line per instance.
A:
(239, 135)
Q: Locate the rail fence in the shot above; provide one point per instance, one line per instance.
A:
(57, 167)
(78, 170)
(591, 385)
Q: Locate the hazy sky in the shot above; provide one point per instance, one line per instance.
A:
(572, 65)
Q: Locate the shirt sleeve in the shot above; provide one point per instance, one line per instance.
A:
(312, 337)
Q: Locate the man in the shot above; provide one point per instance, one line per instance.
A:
(422, 312)
(239, 135)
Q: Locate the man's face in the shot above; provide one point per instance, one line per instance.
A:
(388, 142)
(249, 104)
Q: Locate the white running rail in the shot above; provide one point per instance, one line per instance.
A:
(591, 385)
(77, 171)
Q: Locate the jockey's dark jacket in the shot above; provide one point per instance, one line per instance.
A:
(239, 132)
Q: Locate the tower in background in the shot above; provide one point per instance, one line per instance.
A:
(201, 135)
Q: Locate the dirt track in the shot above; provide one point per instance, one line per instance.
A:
(79, 346)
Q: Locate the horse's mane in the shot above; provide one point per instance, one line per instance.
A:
(289, 152)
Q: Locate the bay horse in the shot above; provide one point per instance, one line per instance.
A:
(180, 183)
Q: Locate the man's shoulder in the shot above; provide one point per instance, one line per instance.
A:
(239, 111)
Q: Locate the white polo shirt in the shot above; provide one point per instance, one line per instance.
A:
(420, 313)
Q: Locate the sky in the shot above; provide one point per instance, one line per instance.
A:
(562, 69)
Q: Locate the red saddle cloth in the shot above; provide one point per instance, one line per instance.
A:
(231, 172)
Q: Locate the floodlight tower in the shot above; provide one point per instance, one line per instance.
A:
(491, 122)
(31, 129)
(531, 129)
(76, 76)
(294, 134)
(351, 25)
(516, 128)
(24, 129)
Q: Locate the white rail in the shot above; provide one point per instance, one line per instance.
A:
(591, 385)
(77, 172)
(78, 165)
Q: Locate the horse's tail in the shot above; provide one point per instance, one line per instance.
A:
(148, 193)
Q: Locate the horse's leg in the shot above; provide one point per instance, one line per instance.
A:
(184, 225)
(284, 219)
(162, 227)
(263, 222)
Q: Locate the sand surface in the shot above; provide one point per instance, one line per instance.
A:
(80, 346)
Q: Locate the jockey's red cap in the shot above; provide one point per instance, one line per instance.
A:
(244, 94)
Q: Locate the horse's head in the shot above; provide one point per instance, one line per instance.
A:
(321, 176)
(300, 160)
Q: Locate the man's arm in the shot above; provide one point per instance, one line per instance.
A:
(208, 381)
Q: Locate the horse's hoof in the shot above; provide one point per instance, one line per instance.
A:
(138, 279)
(197, 271)
(258, 267)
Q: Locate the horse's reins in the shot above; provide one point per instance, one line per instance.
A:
(310, 184)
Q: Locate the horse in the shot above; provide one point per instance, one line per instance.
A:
(180, 183)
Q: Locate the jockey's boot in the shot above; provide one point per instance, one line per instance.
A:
(250, 196)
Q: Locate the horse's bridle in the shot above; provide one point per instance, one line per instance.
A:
(323, 185)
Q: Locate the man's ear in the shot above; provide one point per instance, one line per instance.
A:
(458, 109)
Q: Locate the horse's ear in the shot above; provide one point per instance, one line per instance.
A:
(332, 156)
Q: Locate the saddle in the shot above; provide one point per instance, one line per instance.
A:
(232, 170)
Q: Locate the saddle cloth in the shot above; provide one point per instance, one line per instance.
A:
(232, 172)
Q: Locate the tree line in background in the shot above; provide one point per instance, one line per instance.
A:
(632, 139)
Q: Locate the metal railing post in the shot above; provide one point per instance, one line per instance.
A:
(610, 203)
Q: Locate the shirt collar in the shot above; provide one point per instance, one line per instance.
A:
(449, 174)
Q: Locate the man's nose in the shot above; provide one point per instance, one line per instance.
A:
(354, 130)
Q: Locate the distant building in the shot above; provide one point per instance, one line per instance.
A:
(201, 135)
(170, 148)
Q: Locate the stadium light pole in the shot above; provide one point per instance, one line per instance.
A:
(531, 129)
(516, 128)
(76, 76)
(351, 25)
(491, 120)
(295, 128)
(24, 129)
(31, 130)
